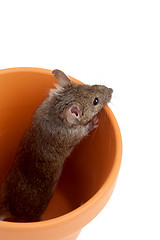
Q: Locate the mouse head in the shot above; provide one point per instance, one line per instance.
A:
(79, 103)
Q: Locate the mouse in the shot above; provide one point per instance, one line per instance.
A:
(60, 122)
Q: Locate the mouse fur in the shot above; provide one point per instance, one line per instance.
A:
(59, 123)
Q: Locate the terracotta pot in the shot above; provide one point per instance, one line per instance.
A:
(89, 174)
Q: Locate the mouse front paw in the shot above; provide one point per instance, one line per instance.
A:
(93, 124)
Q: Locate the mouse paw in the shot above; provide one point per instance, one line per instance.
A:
(93, 123)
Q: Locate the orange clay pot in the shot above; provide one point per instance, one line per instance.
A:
(89, 174)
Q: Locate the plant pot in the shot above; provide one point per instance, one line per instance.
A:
(89, 174)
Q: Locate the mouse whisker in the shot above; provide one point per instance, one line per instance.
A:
(114, 105)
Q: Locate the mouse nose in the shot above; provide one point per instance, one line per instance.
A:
(110, 90)
(109, 94)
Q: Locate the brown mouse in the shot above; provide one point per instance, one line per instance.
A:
(59, 123)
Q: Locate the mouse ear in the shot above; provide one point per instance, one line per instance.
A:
(62, 78)
(73, 114)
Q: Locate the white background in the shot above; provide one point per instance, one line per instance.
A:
(116, 43)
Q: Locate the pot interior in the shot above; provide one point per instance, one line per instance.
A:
(91, 161)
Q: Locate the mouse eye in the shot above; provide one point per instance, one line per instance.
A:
(96, 101)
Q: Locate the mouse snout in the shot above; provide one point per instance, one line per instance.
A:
(109, 94)
(110, 90)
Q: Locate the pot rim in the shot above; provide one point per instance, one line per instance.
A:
(71, 217)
